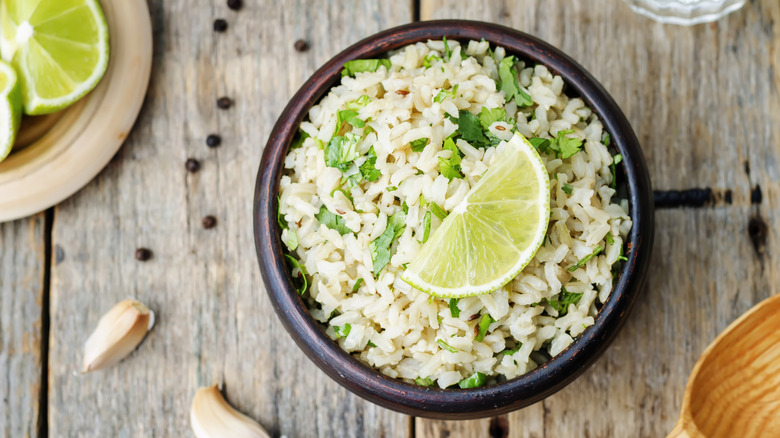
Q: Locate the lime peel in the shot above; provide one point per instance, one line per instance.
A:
(10, 108)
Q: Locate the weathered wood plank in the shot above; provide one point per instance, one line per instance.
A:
(704, 101)
(214, 321)
(22, 262)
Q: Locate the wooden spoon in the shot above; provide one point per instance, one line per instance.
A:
(734, 389)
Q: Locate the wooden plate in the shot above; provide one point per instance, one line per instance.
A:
(80, 141)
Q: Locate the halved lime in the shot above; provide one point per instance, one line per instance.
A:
(10, 108)
(59, 48)
(489, 237)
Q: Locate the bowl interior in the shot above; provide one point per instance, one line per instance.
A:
(633, 182)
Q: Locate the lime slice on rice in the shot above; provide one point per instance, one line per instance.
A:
(489, 237)
(10, 108)
(59, 48)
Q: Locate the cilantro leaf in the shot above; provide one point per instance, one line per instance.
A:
(541, 144)
(342, 332)
(474, 381)
(454, 310)
(438, 211)
(349, 116)
(443, 94)
(358, 103)
(332, 221)
(426, 226)
(364, 65)
(342, 151)
(606, 139)
(567, 188)
(446, 346)
(613, 167)
(566, 146)
(357, 285)
(292, 240)
(610, 239)
(368, 169)
(489, 116)
(470, 129)
(508, 83)
(380, 247)
(371, 344)
(301, 289)
(484, 323)
(298, 139)
(561, 305)
(585, 259)
(423, 381)
(450, 167)
(419, 144)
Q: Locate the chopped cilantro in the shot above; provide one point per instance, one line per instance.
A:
(541, 144)
(298, 139)
(489, 116)
(585, 259)
(475, 381)
(392, 188)
(301, 289)
(364, 65)
(358, 103)
(426, 226)
(368, 169)
(430, 59)
(606, 139)
(380, 247)
(443, 94)
(454, 310)
(357, 285)
(349, 116)
(447, 51)
(343, 331)
(564, 299)
(423, 381)
(617, 159)
(470, 129)
(567, 188)
(371, 344)
(511, 351)
(332, 221)
(610, 239)
(405, 207)
(419, 144)
(446, 346)
(484, 323)
(508, 83)
(450, 167)
(342, 151)
(292, 240)
(438, 211)
(566, 146)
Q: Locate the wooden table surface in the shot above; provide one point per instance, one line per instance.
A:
(703, 100)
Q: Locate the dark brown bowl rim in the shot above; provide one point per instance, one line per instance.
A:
(454, 403)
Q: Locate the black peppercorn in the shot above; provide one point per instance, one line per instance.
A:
(192, 165)
(234, 4)
(213, 140)
(143, 254)
(224, 102)
(220, 25)
(301, 46)
(209, 222)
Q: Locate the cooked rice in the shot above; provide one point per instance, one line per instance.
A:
(394, 327)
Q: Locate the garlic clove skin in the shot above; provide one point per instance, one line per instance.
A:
(117, 334)
(212, 417)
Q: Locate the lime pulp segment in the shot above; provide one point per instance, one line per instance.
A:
(10, 108)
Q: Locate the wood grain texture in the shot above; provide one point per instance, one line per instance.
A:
(22, 256)
(704, 102)
(214, 321)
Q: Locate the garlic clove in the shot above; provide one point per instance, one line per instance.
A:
(117, 334)
(212, 417)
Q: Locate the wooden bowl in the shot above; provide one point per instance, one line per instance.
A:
(454, 403)
(57, 154)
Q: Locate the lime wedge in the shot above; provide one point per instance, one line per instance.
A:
(59, 48)
(489, 237)
(10, 108)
